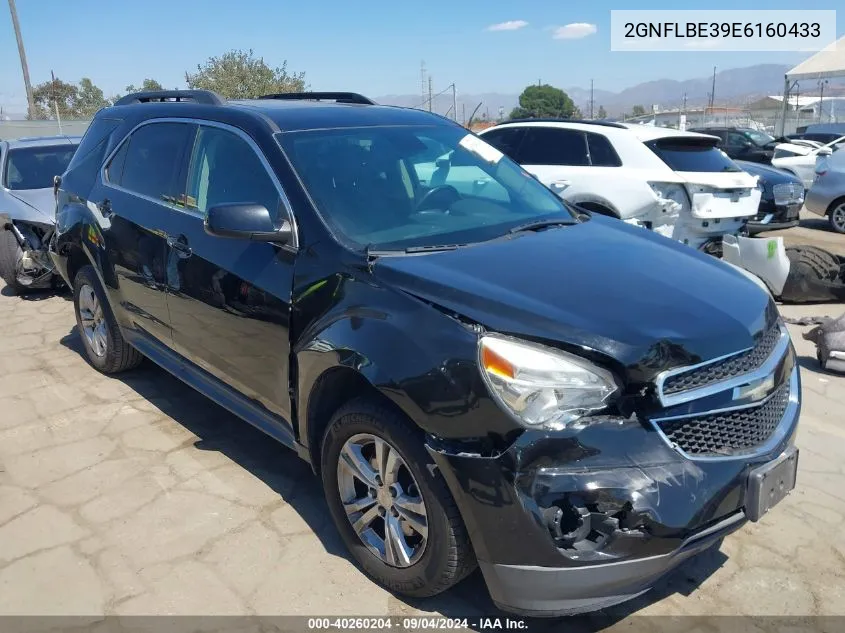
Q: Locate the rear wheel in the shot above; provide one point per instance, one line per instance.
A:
(390, 505)
(104, 345)
(836, 216)
(10, 255)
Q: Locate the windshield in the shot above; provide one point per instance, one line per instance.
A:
(760, 139)
(692, 154)
(390, 188)
(34, 167)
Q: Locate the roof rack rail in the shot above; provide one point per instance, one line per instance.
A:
(206, 97)
(562, 120)
(339, 97)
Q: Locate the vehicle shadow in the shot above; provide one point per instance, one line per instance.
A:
(37, 295)
(818, 223)
(290, 477)
(811, 363)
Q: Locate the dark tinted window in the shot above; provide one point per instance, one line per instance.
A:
(602, 153)
(35, 167)
(737, 139)
(224, 170)
(692, 154)
(153, 159)
(94, 142)
(114, 171)
(554, 146)
(507, 140)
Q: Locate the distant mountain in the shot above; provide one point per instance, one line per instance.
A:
(735, 86)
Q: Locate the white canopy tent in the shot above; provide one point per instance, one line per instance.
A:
(828, 62)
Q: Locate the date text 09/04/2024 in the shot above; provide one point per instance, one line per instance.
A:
(421, 623)
(722, 29)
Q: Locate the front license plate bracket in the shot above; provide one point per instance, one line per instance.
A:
(770, 483)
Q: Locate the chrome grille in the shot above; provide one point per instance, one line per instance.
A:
(788, 193)
(724, 369)
(730, 432)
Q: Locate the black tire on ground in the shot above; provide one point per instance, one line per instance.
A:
(448, 556)
(10, 254)
(814, 275)
(119, 355)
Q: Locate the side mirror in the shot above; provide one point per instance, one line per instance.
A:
(246, 222)
(824, 151)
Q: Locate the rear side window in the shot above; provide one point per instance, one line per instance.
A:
(507, 140)
(692, 154)
(152, 160)
(93, 144)
(602, 153)
(554, 146)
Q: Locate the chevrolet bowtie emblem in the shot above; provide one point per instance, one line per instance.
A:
(756, 390)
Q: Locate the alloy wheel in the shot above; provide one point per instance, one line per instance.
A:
(382, 500)
(93, 321)
(837, 218)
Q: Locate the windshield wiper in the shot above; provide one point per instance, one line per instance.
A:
(434, 248)
(540, 224)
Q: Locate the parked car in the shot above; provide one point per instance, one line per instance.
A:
(476, 371)
(801, 159)
(678, 184)
(28, 207)
(743, 143)
(824, 132)
(782, 195)
(827, 195)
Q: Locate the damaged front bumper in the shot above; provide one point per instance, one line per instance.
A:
(573, 521)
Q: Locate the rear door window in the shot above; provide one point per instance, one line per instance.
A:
(692, 154)
(602, 153)
(152, 161)
(554, 146)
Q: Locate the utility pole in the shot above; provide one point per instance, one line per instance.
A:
(683, 116)
(822, 82)
(30, 101)
(713, 89)
(422, 81)
(454, 103)
(591, 98)
(429, 94)
(55, 100)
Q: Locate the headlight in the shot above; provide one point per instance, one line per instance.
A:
(671, 196)
(543, 387)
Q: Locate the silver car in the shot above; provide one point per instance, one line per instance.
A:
(28, 207)
(827, 195)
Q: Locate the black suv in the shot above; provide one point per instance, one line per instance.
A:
(743, 143)
(478, 372)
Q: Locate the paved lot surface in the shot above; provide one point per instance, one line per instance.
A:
(136, 495)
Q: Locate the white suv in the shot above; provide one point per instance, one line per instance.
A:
(676, 183)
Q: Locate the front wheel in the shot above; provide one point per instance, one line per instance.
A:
(10, 255)
(837, 217)
(390, 505)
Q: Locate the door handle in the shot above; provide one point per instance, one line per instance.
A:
(560, 185)
(180, 245)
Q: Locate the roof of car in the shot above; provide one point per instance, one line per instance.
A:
(650, 132)
(287, 112)
(42, 141)
(642, 133)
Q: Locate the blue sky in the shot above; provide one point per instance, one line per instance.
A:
(374, 46)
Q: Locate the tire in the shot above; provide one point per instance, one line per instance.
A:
(814, 275)
(104, 346)
(10, 254)
(836, 216)
(447, 556)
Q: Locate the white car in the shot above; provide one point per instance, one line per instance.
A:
(800, 159)
(676, 183)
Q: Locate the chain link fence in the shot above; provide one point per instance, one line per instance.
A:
(25, 129)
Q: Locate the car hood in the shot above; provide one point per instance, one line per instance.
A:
(645, 301)
(770, 175)
(30, 205)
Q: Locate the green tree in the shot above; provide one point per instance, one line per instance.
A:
(52, 94)
(544, 101)
(146, 85)
(602, 112)
(89, 99)
(240, 75)
(637, 110)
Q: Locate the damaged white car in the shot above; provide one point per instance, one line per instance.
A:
(28, 167)
(679, 184)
